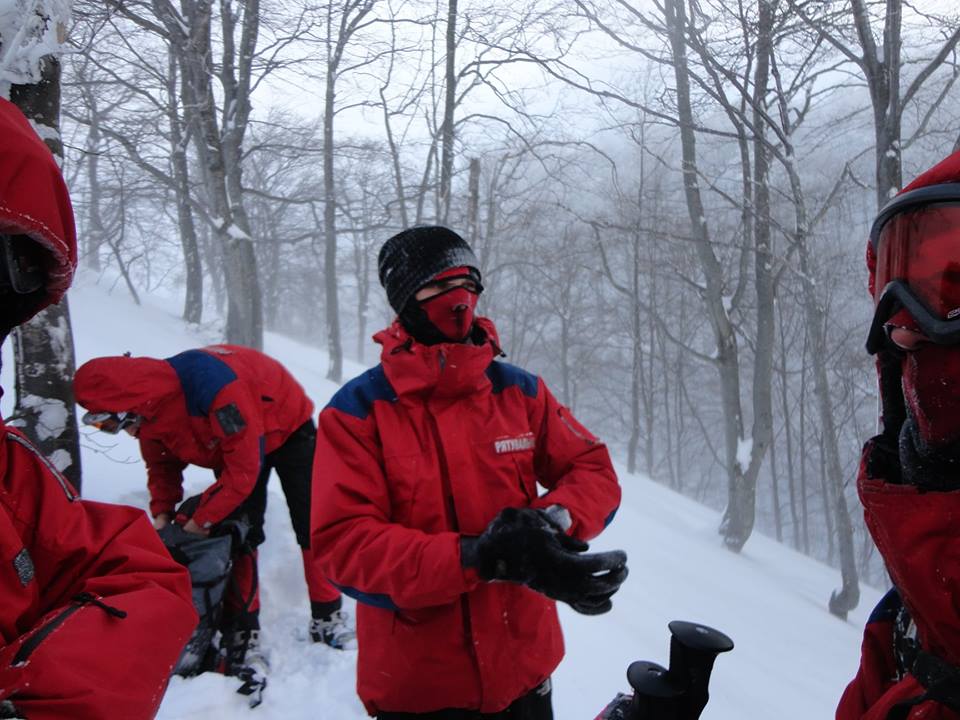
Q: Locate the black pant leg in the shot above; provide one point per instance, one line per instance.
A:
(437, 715)
(535, 705)
(254, 508)
(294, 464)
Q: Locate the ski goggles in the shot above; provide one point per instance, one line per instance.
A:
(21, 265)
(916, 239)
(110, 422)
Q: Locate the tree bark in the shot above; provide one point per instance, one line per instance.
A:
(738, 518)
(43, 348)
(193, 270)
(449, 104)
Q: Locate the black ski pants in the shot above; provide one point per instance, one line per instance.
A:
(293, 462)
(535, 705)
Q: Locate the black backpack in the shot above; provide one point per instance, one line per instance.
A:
(209, 560)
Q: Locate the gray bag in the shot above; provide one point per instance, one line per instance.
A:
(209, 561)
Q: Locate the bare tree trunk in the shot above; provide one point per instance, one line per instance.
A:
(775, 494)
(43, 348)
(473, 207)
(788, 433)
(763, 256)
(815, 314)
(738, 517)
(804, 437)
(95, 232)
(193, 300)
(221, 151)
(449, 104)
(334, 348)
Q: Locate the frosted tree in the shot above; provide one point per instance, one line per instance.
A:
(32, 35)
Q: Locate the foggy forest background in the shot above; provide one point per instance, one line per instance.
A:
(670, 202)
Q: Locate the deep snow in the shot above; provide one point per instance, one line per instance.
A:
(792, 658)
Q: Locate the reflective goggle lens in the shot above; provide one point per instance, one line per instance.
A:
(109, 422)
(921, 248)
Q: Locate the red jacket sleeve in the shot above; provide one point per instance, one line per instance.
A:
(113, 610)
(351, 534)
(164, 476)
(574, 466)
(874, 676)
(876, 688)
(236, 419)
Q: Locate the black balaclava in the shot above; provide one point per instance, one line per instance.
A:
(411, 259)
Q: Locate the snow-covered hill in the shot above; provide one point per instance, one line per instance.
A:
(792, 658)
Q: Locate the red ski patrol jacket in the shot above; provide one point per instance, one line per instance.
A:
(919, 538)
(95, 612)
(221, 407)
(432, 443)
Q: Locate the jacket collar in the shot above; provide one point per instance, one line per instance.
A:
(443, 370)
(918, 535)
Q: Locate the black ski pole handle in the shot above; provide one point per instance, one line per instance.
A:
(693, 650)
(656, 694)
(680, 693)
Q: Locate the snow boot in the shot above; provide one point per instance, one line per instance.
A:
(244, 659)
(334, 630)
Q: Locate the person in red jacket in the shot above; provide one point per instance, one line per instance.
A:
(909, 479)
(426, 504)
(86, 585)
(242, 414)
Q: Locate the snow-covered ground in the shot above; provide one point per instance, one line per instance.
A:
(792, 658)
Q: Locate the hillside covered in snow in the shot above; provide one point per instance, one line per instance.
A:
(792, 658)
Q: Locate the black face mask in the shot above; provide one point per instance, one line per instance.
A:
(929, 469)
(415, 321)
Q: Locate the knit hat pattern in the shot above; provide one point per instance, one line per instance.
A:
(411, 258)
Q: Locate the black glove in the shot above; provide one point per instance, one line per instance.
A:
(525, 546)
(187, 508)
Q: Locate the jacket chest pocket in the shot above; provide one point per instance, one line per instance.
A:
(402, 472)
(18, 578)
(505, 463)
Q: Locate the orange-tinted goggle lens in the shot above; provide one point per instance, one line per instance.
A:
(921, 248)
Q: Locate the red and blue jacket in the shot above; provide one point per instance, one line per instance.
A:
(222, 407)
(95, 612)
(431, 444)
(918, 537)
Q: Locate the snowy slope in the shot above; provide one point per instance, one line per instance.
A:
(792, 658)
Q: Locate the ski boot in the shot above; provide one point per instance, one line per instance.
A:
(334, 630)
(244, 659)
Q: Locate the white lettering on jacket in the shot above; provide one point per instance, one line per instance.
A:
(514, 444)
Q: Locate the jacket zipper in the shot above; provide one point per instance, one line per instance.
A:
(34, 641)
(451, 507)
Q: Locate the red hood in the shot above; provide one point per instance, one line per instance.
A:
(446, 369)
(34, 199)
(125, 384)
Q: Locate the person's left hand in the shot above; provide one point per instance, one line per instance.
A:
(526, 546)
(191, 527)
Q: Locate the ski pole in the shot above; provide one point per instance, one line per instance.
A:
(693, 650)
(679, 693)
(655, 692)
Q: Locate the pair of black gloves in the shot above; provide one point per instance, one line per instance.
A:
(530, 547)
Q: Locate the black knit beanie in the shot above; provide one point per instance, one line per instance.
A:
(411, 258)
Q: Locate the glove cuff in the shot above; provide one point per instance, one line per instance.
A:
(469, 554)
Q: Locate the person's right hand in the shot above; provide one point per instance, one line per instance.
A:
(162, 520)
(524, 545)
